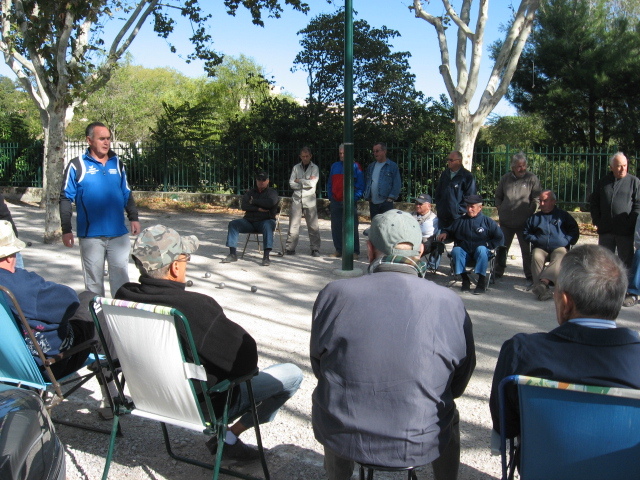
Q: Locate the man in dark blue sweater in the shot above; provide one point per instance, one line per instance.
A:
(474, 235)
(551, 233)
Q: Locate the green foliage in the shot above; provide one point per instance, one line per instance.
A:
(384, 87)
(579, 72)
(523, 131)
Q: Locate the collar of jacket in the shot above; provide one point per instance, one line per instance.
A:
(398, 263)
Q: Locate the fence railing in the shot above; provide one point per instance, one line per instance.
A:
(216, 168)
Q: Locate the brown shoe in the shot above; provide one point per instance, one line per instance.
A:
(336, 254)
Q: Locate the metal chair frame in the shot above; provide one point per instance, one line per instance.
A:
(173, 322)
(37, 381)
(491, 270)
(571, 431)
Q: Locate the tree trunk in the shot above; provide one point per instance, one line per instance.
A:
(54, 151)
(466, 133)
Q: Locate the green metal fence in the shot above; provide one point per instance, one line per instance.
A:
(217, 168)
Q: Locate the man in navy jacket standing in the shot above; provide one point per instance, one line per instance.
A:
(456, 183)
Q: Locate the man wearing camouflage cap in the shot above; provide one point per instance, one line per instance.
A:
(225, 349)
(391, 351)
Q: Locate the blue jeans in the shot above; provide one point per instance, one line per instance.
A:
(337, 211)
(634, 275)
(480, 257)
(265, 227)
(272, 387)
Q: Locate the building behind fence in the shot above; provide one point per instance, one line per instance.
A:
(216, 168)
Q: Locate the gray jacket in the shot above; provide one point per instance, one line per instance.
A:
(389, 366)
(517, 199)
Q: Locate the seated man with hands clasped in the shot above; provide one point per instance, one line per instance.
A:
(551, 233)
(225, 349)
(474, 235)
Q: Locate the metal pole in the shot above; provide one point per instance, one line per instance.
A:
(349, 207)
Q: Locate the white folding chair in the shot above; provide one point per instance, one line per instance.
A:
(159, 361)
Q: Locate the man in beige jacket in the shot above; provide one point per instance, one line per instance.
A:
(303, 181)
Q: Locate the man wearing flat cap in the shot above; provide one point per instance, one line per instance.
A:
(260, 204)
(391, 351)
(473, 234)
(225, 349)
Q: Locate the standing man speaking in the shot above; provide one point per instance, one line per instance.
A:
(97, 184)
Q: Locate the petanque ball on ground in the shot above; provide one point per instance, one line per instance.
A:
(189, 283)
(207, 275)
(221, 285)
(106, 272)
(29, 244)
(254, 289)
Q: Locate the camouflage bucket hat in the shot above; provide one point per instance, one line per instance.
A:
(159, 246)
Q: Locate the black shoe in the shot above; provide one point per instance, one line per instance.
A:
(466, 285)
(212, 445)
(481, 286)
(240, 452)
(232, 257)
(266, 262)
(499, 273)
(315, 253)
(290, 252)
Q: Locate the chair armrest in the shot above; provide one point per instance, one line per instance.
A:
(228, 384)
(72, 351)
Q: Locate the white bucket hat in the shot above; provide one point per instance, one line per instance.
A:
(9, 243)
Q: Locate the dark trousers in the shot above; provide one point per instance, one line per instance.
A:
(83, 329)
(525, 248)
(622, 243)
(375, 209)
(337, 211)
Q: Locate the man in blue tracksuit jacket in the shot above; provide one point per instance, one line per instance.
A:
(474, 235)
(97, 184)
(382, 182)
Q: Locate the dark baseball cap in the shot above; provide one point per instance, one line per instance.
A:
(424, 198)
(262, 175)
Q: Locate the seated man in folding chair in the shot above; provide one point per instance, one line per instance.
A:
(588, 348)
(261, 207)
(58, 318)
(474, 235)
(391, 351)
(225, 349)
(551, 232)
(428, 221)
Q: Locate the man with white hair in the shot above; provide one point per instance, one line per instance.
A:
(615, 205)
(588, 347)
(391, 351)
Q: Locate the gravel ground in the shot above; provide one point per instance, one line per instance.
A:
(278, 316)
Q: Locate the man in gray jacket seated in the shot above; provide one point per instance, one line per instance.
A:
(391, 351)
